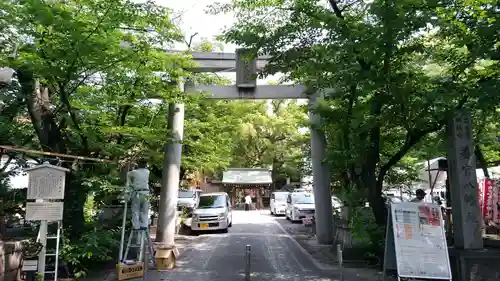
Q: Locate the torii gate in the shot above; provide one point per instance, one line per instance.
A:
(245, 88)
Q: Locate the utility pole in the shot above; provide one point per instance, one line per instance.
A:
(167, 215)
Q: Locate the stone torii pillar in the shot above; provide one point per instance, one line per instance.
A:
(321, 176)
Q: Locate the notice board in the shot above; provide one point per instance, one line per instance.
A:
(44, 211)
(416, 242)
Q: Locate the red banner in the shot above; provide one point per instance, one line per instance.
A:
(489, 199)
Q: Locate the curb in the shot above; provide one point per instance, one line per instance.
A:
(353, 272)
(316, 263)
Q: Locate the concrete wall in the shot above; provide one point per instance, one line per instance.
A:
(11, 258)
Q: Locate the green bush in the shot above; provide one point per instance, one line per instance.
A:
(368, 234)
(93, 248)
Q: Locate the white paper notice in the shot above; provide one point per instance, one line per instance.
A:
(420, 242)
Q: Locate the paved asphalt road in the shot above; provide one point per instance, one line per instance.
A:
(221, 257)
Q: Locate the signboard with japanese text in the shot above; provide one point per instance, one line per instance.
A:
(44, 211)
(420, 248)
(46, 182)
(247, 176)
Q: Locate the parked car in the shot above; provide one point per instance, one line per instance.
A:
(299, 205)
(277, 204)
(212, 212)
(186, 201)
(188, 198)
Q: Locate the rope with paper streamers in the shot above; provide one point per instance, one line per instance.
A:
(130, 157)
(54, 154)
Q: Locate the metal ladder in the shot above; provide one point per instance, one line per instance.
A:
(143, 236)
(55, 254)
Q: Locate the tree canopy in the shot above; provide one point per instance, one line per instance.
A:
(271, 137)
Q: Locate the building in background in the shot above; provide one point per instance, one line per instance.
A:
(238, 182)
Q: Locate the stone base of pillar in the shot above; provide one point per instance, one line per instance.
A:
(467, 265)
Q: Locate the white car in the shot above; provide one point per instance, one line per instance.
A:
(186, 201)
(277, 203)
(299, 206)
(212, 212)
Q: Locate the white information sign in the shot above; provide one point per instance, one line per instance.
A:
(49, 211)
(420, 241)
(30, 265)
(46, 182)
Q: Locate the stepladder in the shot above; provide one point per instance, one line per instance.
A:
(143, 245)
(49, 255)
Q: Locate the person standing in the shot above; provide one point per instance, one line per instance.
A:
(248, 202)
(420, 195)
(138, 182)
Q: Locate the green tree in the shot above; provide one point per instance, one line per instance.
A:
(272, 139)
(86, 72)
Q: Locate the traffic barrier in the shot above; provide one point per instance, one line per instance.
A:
(248, 250)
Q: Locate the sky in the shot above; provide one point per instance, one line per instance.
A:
(192, 18)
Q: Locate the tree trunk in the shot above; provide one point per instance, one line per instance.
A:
(51, 139)
(369, 176)
(482, 161)
(3, 227)
(75, 196)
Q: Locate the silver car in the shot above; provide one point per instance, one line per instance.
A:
(299, 206)
(212, 212)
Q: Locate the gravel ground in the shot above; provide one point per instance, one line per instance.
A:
(108, 273)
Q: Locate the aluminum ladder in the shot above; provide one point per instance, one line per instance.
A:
(143, 237)
(55, 252)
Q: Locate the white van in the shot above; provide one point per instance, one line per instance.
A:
(299, 206)
(212, 212)
(187, 199)
(277, 204)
